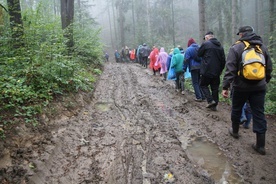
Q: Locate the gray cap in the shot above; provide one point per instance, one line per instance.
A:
(245, 29)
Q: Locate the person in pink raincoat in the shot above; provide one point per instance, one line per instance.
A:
(162, 60)
(153, 58)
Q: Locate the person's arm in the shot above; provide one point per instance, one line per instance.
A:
(230, 72)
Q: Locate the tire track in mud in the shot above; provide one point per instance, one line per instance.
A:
(136, 130)
(129, 134)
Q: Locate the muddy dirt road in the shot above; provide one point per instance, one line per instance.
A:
(139, 130)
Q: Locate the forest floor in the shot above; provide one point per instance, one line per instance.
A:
(135, 129)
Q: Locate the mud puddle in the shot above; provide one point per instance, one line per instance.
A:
(208, 156)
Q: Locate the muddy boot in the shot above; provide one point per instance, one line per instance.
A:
(260, 144)
(234, 130)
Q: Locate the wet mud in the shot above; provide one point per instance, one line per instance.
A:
(137, 130)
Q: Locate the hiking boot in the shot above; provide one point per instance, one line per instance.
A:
(213, 108)
(245, 126)
(211, 104)
(198, 99)
(235, 135)
(243, 120)
(260, 144)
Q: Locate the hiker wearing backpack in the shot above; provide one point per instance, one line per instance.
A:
(246, 84)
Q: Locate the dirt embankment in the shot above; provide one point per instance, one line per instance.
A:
(138, 130)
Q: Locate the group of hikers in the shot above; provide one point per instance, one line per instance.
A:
(244, 79)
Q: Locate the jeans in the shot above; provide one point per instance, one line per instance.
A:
(205, 82)
(256, 100)
(195, 80)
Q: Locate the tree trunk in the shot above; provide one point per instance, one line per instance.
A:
(133, 22)
(173, 28)
(67, 16)
(110, 27)
(271, 26)
(120, 7)
(234, 20)
(148, 20)
(261, 21)
(202, 21)
(16, 23)
(115, 27)
(257, 16)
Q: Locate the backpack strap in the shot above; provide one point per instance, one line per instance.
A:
(256, 47)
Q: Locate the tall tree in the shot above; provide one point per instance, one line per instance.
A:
(114, 23)
(67, 17)
(202, 21)
(234, 20)
(16, 23)
(272, 26)
(110, 27)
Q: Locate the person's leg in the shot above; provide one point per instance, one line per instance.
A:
(238, 100)
(248, 120)
(195, 81)
(243, 116)
(204, 83)
(214, 83)
(256, 101)
(177, 84)
(181, 82)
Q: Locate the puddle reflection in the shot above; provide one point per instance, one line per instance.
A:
(208, 156)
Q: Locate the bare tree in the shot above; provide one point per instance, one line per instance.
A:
(110, 27)
(271, 26)
(234, 20)
(202, 21)
(67, 16)
(16, 23)
(114, 23)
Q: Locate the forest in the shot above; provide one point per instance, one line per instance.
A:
(51, 48)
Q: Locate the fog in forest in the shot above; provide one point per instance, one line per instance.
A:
(170, 23)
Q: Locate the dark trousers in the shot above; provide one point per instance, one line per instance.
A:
(256, 100)
(145, 61)
(195, 74)
(179, 82)
(205, 82)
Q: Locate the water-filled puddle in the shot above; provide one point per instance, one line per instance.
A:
(207, 155)
(102, 106)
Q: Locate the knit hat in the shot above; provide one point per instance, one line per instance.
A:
(190, 42)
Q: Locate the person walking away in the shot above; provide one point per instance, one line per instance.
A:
(211, 67)
(145, 52)
(192, 62)
(246, 89)
(153, 61)
(117, 56)
(106, 56)
(138, 55)
(162, 60)
(132, 55)
(177, 64)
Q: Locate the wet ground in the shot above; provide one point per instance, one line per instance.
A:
(136, 130)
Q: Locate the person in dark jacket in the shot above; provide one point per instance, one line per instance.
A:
(243, 90)
(144, 51)
(211, 67)
(192, 61)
